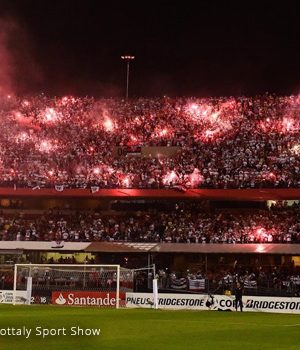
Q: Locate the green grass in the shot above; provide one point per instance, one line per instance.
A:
(151, 329)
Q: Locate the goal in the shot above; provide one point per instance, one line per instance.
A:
(72, 285)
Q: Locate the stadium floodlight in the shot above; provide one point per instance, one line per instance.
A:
(67, 284)
(127, 58)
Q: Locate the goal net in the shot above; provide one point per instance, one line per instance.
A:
(72, 285)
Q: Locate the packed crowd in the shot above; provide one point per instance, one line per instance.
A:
(284, 277)
(72, 142)
(277, 225)
(254, 279)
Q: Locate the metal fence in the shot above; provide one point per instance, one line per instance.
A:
(265, 288)
(288, 288)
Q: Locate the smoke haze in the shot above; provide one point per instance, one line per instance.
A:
(18, 71)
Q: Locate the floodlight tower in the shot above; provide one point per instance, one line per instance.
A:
(128, 59)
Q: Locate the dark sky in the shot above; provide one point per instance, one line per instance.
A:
(203, 48)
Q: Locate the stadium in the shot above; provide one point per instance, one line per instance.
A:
(158, 208)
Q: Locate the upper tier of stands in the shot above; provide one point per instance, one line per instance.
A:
(81, 142)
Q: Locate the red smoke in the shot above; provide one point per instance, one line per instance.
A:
(6, 61)
(18, 71)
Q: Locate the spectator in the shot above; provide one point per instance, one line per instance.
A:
(222, 142)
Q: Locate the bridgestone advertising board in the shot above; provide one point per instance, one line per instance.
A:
(219, 302)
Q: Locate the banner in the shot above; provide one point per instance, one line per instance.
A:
(6, 297)
(57, 244)
(179, 283)
(219, 302)
(167, 301)
(59, 188)
(296, 280)
(160, 151)
(86, 298)
(95, 189)
(250, 284)
(40, 299)
(196, 285)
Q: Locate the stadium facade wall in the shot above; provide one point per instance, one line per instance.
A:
(147, 248)
(158, 152)
(207, 194)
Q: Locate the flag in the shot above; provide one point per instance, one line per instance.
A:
(179, 283)
(250, 284)
(57, 244)
(179, 188)
(94, 189)
(295, 280)
(196, 285)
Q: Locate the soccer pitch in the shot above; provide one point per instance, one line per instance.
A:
(147, 329)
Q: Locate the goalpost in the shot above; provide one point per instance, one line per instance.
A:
(151, 282)
(72, 285)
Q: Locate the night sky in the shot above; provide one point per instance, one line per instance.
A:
(199, 48)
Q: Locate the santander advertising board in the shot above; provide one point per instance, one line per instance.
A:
(86, 298)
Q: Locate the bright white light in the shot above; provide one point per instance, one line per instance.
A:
(296, 149)
(51, 115)
(170, 177)
(198, 111)
(195, 178)
(22, 137)
(126, 181)
(108, 125)
(45, 146)
(164, 132)
(288, 124)
(260, 249)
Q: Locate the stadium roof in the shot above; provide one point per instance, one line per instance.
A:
(119, 247)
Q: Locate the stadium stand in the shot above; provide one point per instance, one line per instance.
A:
(220, 143)
(279, 224)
